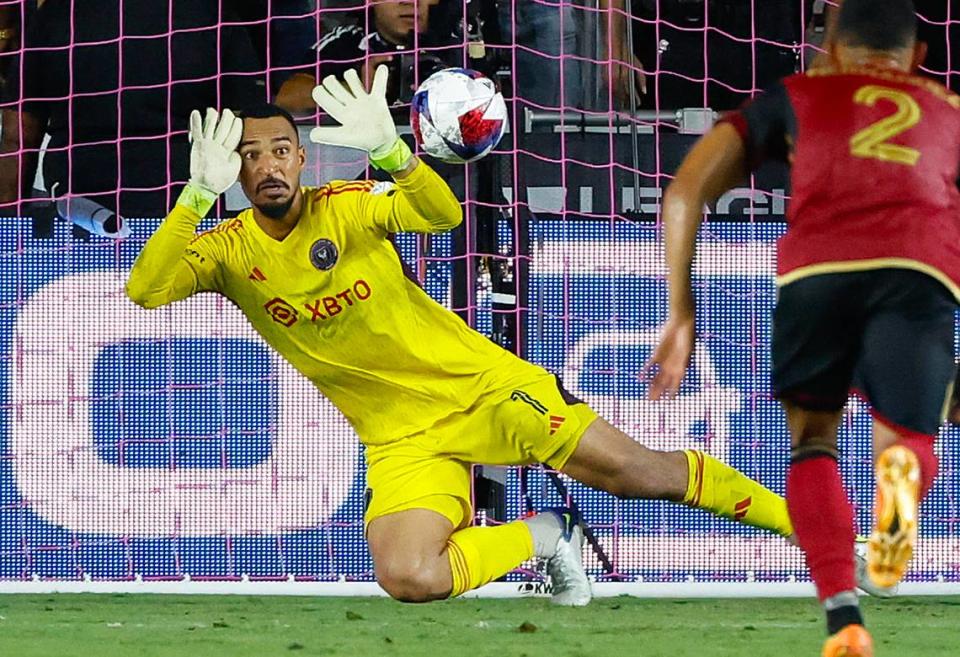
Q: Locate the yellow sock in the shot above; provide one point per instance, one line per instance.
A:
(720, 489)
(481, 554)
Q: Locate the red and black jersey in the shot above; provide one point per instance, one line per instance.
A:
(874, 157)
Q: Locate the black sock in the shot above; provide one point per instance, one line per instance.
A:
(839, 618)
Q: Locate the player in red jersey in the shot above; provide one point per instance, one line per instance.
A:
(868, 275)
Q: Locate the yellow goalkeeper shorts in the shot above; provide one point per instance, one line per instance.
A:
(530, 419)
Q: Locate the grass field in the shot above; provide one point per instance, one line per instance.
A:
(214, 626)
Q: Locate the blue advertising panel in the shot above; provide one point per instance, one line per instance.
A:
(172, 443)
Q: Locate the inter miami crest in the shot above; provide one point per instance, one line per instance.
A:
(324, 254)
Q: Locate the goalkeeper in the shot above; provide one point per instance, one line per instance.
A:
(315, 274)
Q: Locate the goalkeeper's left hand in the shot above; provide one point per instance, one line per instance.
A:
(365, 120)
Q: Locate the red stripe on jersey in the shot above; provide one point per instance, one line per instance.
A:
(359, 186)
(699, 475)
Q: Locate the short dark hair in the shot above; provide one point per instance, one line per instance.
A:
(877, 24)
(267, 111)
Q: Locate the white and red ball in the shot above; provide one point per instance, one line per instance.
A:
(457, 115)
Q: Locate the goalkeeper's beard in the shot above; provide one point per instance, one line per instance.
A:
(277, 210)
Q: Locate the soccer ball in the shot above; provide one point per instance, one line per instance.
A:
(457, 115)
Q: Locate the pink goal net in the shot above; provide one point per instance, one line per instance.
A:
(174, 444)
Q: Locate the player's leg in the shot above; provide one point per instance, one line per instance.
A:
(409, 550)
(537, 420)
(906, 466)
(418, 557)
(821, 512)
(816, 339)
(953, 406)
(896, 503)
(609, 460)
(484, 553)
(824, 522)
(417, 514)
(907, 369)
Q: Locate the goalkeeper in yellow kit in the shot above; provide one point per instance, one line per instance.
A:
(314, 272)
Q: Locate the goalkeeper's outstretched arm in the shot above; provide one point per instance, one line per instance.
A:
(425, 203)
(163, 272)
(169, 268)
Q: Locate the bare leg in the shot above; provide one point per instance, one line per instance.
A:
(418, 557)
(608, 459)
(883, 437)
(409, 550)
(812, 430)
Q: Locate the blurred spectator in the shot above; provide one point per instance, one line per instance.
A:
(625, 69)
(108, 132)
(385, 34)
(555, 31)
(9, 27)
(748, 45)
(9, 38)
(293, 28)
(12, 16)
(545, 34)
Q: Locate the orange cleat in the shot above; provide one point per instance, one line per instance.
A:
(851, 641)
(890, 547)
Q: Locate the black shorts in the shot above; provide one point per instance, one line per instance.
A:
(889, 332)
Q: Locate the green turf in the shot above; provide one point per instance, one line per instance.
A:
(215, 626)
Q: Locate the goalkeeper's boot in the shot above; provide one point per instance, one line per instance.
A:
(565, 568)
(851, 641)
(890, 547)
(864, 583)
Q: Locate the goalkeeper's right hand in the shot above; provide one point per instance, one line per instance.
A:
(214, 160)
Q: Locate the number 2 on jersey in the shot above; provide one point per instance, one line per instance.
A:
(873, 141)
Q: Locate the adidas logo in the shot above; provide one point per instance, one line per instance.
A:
(556, 421)
(257, 275)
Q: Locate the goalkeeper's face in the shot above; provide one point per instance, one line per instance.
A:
(272, 160)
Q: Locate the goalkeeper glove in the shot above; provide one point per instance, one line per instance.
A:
(364, 118)
(214, 160)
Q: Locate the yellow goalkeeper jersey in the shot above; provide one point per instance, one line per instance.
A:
(332, 298)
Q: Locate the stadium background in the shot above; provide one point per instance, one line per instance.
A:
(173, 445)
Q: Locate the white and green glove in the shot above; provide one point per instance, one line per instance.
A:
(214, 160)
(364, 118)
